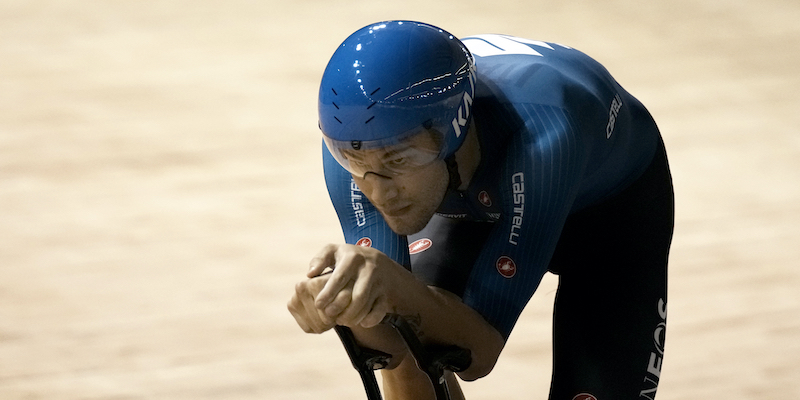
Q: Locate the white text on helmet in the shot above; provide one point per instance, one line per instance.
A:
(464, 109)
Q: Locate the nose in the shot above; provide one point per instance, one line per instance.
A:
(380, 189)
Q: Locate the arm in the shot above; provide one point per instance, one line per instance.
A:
(407, 382)
(402, 379)
(365, 285)
(439, 312)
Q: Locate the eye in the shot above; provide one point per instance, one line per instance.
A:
(397, 162)
(357, 163)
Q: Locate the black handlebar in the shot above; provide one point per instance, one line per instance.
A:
(433, 360)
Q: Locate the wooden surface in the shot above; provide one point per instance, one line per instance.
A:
(160, 191)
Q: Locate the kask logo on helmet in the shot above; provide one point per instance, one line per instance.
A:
(462, 116)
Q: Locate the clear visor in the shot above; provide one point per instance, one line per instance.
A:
(387, 158)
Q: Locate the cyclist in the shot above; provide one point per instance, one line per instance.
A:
(464, 170)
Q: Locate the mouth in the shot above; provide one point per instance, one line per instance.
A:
(396, 212)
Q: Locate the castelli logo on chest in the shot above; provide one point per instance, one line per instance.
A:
(506, 266)
(484, 198)
(420, 245)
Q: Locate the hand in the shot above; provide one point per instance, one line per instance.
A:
(364, 285)
(357, 291)
(303, 308)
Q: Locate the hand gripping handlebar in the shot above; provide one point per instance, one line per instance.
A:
(433, 360)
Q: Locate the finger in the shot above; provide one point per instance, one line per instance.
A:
(317, 320)
(339, 303)
(301, 316)
(379, 310)
(322, 260)
(298, 315)
(364, 295)
(307, 313)
(344, 271)
(364, 292)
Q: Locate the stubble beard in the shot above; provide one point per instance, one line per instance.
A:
(408, 224)
(419, 215)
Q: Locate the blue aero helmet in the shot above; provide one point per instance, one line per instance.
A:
(395, 96)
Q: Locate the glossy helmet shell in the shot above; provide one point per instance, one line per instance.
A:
(390, 79)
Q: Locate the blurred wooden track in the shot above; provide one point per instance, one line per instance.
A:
(160, 191)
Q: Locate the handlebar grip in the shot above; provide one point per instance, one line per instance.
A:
(432, 358)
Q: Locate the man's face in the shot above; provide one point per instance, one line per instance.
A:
(409, 199)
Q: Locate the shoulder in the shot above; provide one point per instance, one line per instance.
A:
(535, 72)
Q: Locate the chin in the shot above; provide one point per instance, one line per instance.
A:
(402, 228)
(408, 224)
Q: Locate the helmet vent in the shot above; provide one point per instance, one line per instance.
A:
(374, 91)
(371, 105)
(370, 119)
(335, 105)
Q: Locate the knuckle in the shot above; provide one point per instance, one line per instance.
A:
(342, 320)
(321, 327)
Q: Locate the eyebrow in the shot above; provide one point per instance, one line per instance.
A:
(384, 154)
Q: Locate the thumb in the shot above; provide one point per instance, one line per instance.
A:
(323, 260)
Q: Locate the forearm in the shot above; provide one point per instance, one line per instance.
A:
(365, 285)
(438, 317)
(407, 382)
(383, 338)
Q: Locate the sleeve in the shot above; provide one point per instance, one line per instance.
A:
(538, 183)
(361, 222)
